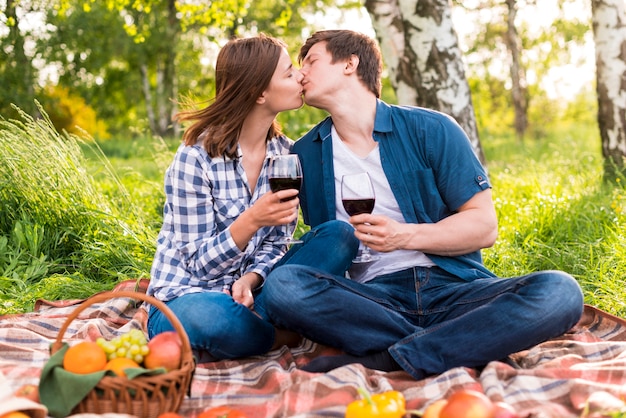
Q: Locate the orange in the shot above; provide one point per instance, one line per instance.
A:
(170, 415)
(15, 414)
(84, 357)
(118, 364)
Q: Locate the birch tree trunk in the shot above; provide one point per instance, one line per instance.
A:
(423, 58)
(518, 73)
(609, 30)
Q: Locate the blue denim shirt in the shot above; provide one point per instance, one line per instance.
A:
(429, 163)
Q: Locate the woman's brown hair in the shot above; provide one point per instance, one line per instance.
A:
(243, 71)
(341, 44)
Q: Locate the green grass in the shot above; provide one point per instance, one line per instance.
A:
(79, 217)
(62, 233)
(555, 212)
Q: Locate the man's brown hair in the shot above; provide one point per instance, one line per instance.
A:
(342, 44)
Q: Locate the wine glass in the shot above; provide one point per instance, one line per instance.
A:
(357, 196)
(285, 173)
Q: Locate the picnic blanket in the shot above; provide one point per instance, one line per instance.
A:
(550, 380)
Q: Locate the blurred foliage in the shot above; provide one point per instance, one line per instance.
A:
(71, 114)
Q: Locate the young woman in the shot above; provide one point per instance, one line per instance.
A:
(220, 217)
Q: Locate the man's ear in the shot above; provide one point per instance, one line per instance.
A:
(351, 64)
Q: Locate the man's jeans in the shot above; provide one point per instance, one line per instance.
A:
(428, 320)
(220, 328)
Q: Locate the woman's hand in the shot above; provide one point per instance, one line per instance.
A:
(274, 209)
(271, 209)
(241, 290)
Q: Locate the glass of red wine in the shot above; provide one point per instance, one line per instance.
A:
(357, 196)
(285, 173)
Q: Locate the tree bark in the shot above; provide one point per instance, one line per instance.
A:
(161, 94)
(518, 74)
(422, 55)
(19, 69)
(609, 30)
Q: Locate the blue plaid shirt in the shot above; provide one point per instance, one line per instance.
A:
(195, 251)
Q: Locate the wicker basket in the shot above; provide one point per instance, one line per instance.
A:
(143, 396)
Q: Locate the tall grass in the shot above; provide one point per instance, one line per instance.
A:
(555, 212)
(75, 221)
(61, 236)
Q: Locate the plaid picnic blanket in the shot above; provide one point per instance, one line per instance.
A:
(550, 380)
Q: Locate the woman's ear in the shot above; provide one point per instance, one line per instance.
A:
(261, 99)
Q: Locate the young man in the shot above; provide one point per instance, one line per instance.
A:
(428, 304)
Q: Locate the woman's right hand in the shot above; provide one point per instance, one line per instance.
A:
(271, 209)
(275, 208)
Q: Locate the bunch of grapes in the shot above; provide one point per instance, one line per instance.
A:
(132, 344)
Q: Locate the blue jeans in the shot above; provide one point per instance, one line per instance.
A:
(220, 328)
(428, 320)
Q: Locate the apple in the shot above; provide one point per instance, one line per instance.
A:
(466, 403)
(28, 391)
(504, 410)
(434, 409)
(165, 351)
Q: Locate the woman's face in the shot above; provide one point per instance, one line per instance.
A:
(285, 89)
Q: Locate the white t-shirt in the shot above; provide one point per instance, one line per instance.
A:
(346, 162)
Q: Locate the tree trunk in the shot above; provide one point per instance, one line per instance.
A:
(422, 55)
(167, 105)
(609, 31)
(19, 68)
(161, 94)
(147, 95)
(518, 74)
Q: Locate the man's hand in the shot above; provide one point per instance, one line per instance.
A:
(380, 233)
(473, 227)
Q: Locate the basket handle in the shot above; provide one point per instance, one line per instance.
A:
(100, 297)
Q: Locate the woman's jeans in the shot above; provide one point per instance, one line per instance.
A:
(428, 320)
(220, 328)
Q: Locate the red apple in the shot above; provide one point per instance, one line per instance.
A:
(467, 403)
(165, 351)
(504, 410)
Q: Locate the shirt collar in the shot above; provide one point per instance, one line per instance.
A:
(383, 117)
(271, 148)
(382, 123)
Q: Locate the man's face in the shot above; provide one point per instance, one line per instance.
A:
(322, 77)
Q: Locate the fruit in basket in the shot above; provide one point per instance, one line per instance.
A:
(132, 344)
(84, 357)
(165, 351)
(118, 365)
(467, 403)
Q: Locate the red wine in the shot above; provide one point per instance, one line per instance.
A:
(358, 206)
(284, 183)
